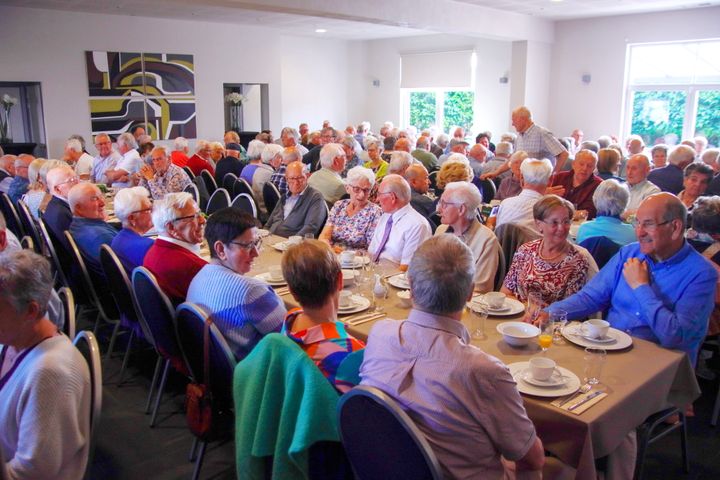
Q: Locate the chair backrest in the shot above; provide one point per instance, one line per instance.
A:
(189, 172)
(511, 236)
(12, 220)
(242, 186)
(29, 225)
(189, 324)
(203, 194)
(120, 287)
(27, 243)
(62, 279)
(489, 190)
(246, 203)
(228, 181)
(219, 200)
(381, 440)
(105, 306)
(271, 196)
(68, 301)
(601, 248)
(193, 190)
(210, 183)
(501, 270)
(432, 176)
(88, 346)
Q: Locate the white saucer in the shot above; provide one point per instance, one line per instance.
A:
(359, 303)
(573, 333)
(572, 382)
(262, 233)
(280, 246)
(265, 277)
(511, 307)
(356, 263)
(605, 339)
(556, 380)
(399, 281)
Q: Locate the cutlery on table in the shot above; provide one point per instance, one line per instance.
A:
(376, 316)
(584, 400)
(583, 389)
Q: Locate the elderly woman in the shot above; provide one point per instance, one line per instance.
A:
(254, 152)
(376, 164)
(244, 308)
(550, 266)
(133, 208)
(314, 278)
(352, 221)
(458, 212)
(706, 221)
(608, 164)
(271, 158)
(34, 198)
(610, 198)
(659, 155)
(697, 177)
(456, 169)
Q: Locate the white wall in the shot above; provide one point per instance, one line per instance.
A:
(598, 47)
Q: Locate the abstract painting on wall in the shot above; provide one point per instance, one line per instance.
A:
(155, 89)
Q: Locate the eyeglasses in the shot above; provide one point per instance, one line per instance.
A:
(194, 216)
(295, 179)
(385, 193)
(69, 180)
(556, 224)
(103, 143)
(149, 209)
(256, 244)
(648, 226)
(357, 190)
(443, 204)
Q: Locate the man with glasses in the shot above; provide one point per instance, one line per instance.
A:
(659, 288)
(106, 159)
(302, 211)
(579, 184)
(244, 308)
(518, 210)
(327, 180)
(163, 176)
(174, 258)
(20, 183)
(58, 215)
(312, 158)
(133, 207)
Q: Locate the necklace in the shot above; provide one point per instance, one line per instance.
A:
(554, 257)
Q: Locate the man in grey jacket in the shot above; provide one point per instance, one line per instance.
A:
(302, 211)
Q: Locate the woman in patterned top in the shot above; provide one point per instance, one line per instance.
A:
(352, 221)
(550, 266)
(314, 278)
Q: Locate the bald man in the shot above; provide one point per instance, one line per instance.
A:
(537, 141)
(419, 181)
(58, 215)
(636, 173)
(20, 183)
(88, 227)
(659, 288)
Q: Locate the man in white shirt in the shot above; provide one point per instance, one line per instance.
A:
(130, 163)
(107, 158)
(76, 157)
(518, 210)
(636, 172)
(327, 180)
(401, 229)
(7, 171)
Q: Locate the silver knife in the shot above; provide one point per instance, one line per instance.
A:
(584, 400)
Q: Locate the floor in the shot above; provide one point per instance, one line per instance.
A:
(127, 448)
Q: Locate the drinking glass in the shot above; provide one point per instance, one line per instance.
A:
(309, 236)
(535, 304)
(594, 360)
(478, 315)
(545, 339)
(559, 319)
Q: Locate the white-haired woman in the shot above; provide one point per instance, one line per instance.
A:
(458, 212)
(134, 209)
(352, 221)
(610, 198)
(376, 164)
(254, 152)
(34, 198)
(270, 158)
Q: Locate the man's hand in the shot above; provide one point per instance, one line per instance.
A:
(147, 172)
(488, 176)
(558, 190)
(636, 273)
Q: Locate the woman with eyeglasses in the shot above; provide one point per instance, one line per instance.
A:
(352, 221)
(550, 267)
(244, 308)
(133, 208)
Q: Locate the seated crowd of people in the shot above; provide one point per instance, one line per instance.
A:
(413, 200)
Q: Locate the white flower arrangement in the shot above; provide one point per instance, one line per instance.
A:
(235, 98)
(6, 102)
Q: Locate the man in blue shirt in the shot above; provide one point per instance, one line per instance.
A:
(659, 289)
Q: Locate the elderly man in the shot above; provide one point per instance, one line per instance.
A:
(217, 152)
(518, 210)
(659, 289)
(130, 163)
(88, 227)
(475, 414)
(579, 184)
(536, 140)
(400, 161)
(231, 163)
(351, 149)
(7, 171)
(58, 214)
(312, 158)
(455, 146)
(636, 171)
(423, 155)
(45, 396)
(278, 179)
(163, 177)
(19, 185)
(511, 185)
(289, 138)
(577, 135)
(401, 229)
(106, 159)
(179, 155)
(201, 159)
(327, 180)
(458, 212)
(76, 156)
(477, 158)
(133, 208)
(271, 158)
(174, 258)
(419, 181)
(302, 211)
(503, 152)
(670, 177)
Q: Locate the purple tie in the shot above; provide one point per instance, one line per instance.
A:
(386, 235)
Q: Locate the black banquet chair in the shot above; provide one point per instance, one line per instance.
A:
(246, 203)
(68, 301)
(228, 181)
(489, 190)
(203, 195)
(381, 440)
(242, 186)
(271, 196)
(12, 220)
(189, 172)
(87, 344)
(219, 200)
(29, 225)
(210, 183)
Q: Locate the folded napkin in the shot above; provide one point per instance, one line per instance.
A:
(579, 398)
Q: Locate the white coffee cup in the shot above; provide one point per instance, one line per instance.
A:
(347, 257)
(495, 299)
(345, 298)
(542, 368)
(275, 272)
(294, 239)
(595, 328)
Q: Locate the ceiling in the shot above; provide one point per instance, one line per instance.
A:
(294, 18)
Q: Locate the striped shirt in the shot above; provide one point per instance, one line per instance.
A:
(539, 143)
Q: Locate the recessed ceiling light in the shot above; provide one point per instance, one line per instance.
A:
(320, 30)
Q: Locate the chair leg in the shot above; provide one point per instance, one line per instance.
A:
(156, 374)
(684, 442)
(161, 390)
(198, 462)
(126, 356)
(643, 435)
(716, 409)
(97, 324)
(113, 337)
(193, 450)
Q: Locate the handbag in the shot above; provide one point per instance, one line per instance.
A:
(198, 396)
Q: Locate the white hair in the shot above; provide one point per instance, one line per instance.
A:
(360, 173)
(711, 156)
(399, 186)
(255, 149)
(536, 172)
(201, 145)
(126, 140)
(682, 154)
(64, 171)
(399, 162)
(457, 158)
(328, 154)
(467, 194)
(371, 141)
(611, 198)
(74, 145)
(167, 209)
(442, 140)
(270, 151)
(504, 148)
(180, 143)
(129, 200)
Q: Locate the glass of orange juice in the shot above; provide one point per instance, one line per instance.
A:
(545, 339)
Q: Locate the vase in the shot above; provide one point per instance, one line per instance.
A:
(5, 127)
(236, 117)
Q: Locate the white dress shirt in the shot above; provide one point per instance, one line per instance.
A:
(409, 230)
(639, 192)
(84, 165)
(519, 210)
(130, 163)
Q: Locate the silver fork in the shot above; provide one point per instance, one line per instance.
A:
(583, 389)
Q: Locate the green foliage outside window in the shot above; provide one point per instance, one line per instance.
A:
(658, 113)
(422, 109)
(458, 110)
(707, 122)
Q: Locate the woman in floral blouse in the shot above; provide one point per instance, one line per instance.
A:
(352, 221)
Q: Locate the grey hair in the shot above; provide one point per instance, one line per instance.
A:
(441, 275)
(706, 215)
(290, 155)
(270, 151)
(25, 278)
(508, 137)
(536, 172)
(255, 148)
(290, 131)
(710, 156)
(166, 209)
(99, 135)
(74, 145)
(201, 145)
(129, 200)
(442, 140)
(180, 143)
(590, 145)
(328, 153)
(682, 154)
(659, 146)
(504, 148)
(371, 141)
(126, 140)
(56, 178)
(360, 173)
(675, 210)
(77, 193)
(611, 198)
(79, 138)
(34, 171)
(457, 158)
(467, 194)
(348, 141)
(399, 162)
(423, 143)
(397, 185)
(604, 141)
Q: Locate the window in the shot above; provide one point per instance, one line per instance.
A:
(438, 107)
(673, 92)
